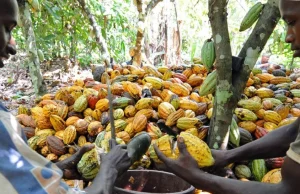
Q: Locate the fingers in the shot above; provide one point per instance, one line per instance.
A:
(85, 149)
(123, 146)
(160, 155)
(71, 174)
(181, 146)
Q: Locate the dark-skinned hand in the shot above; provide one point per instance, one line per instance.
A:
(116, 158)
(69, 165)
(219, 168)
(184, 165)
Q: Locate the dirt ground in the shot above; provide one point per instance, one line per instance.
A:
(15, 82)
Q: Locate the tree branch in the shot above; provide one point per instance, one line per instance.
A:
(255, 44)
(151, 5)
(97, 29)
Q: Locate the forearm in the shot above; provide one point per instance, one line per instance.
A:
(274, 144)
(104, 181)
(219, 185)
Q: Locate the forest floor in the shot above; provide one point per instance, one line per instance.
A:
(15, 82)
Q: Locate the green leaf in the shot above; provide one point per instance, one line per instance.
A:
(193, 50)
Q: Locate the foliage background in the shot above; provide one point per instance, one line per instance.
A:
(62, 29)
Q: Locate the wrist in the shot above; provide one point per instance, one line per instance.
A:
(60, 165)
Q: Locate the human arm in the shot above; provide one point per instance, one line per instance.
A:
(187, 168)
(274, 144)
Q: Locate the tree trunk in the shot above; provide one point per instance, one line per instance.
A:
(137, 58)
(250, 52)
(34, 62)
(151, 5)
(177, 38)
(222, 113)
(97, 29)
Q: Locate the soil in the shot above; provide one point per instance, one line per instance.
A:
(15, 82)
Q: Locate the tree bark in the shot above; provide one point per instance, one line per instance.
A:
(151, 5)
(177, 38)
(250, 52)
(137, 58)
(34, 62)
(97, 29)
(222, 113)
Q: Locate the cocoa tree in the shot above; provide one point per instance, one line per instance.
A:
(143, 11)
(230, 85)
(31, 48)
(97, 29)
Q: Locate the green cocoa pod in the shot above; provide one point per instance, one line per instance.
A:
(208, 54)
(251, 17)
(89, 164)
(242, 171)
(209, 85)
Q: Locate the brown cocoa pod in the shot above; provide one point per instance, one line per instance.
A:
(29, 132)
(26, 120)
(56, 146)
(81, 126)
(104, 118)
(77, 114)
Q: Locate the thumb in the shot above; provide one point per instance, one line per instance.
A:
(181, 146)
(83, 150)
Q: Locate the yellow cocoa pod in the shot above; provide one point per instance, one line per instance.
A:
(139, 123)
(174, 116)
(185, 123)
(165, 109)
(129, 129)
(147, 112)
(144, 103)
(71, 120)
(179, 89)
(186, 104)
(57, 122)
(269, 126)
(130, 111)
(287, 121)
(165, 145)
(272, 116)
(209, 113)
(245, 114)
(87, 112)
(81, 141)
(124, 136)
(189, 114)
(59, 134)
(193, 131)
(69, 135)
(96, 114)
(102, 105)
(248, 125)
(264, 93)
(118, 114)
(273, 176)
(260, 113)
(198, 149)
(23, 110)
(119, 125)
